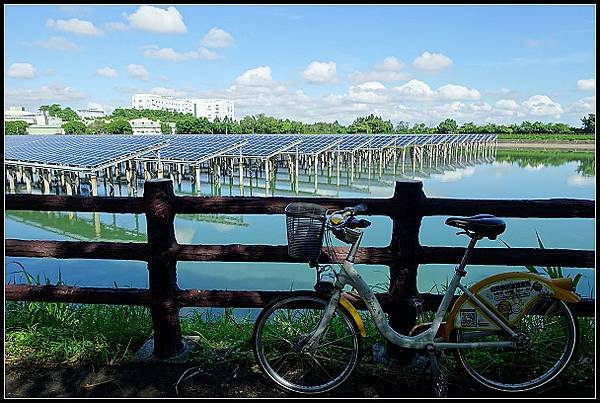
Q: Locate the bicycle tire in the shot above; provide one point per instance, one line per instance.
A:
(285, 316)
(532, 366)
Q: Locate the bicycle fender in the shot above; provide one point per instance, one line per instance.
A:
(509, 296)
(355, 315)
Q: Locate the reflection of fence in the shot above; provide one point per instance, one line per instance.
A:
(162, 252)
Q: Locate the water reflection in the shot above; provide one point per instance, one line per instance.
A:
(503, 174)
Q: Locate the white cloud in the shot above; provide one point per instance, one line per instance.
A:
(116, 26)
(320, 73)
(154, 51)
(587, 104)
(43, 95)
(76, 26)
(587, 85)
(507, 104)
(416, 90)
(260, 76)
(57, 43)
(457, 92)
(107, 72)
(369, 92)
(217, 38)
(138, 71)
(541, 105)
(22, 70)
(389, 70)
(155, 19)
(432, 62)
(208, 54)
(168, 92)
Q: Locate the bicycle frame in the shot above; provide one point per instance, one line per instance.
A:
(350, 276)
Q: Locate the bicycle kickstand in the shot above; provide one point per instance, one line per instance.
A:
(440, 389)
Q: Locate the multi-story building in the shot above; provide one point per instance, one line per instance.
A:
(90, 113)
(213, 108)
(19, 113)
(46, 124)
(145, 126)
(207, 108)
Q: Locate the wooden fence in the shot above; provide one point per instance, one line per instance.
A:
(164, 298)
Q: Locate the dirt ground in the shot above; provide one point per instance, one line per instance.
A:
(231, 380)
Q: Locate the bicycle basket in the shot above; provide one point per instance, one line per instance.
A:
(305, 223)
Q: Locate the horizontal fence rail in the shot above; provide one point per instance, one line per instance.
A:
(162, 251)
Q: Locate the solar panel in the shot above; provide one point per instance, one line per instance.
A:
(315, 144)
(198, 148)
(352, 142)
(16, 140)
(81, 151)
(262, 146)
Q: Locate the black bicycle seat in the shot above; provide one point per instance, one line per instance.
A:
(484, 225)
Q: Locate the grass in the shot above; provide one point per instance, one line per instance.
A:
(546, 137)
(59, 334)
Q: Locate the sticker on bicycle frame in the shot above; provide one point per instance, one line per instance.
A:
(510, 297)
(468, 318)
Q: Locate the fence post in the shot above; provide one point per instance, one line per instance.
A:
(407, 214)
(162, 271)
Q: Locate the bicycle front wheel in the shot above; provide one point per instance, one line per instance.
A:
(548, 336)
(280, 332)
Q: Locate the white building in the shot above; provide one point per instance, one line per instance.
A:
(207, 108)
(145, 126)
(213, 108)
(46, 124)
(19, 113)
(159, 102)
(90, 113)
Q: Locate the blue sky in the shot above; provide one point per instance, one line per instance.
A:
(311, 63)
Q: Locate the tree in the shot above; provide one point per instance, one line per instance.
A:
(119, 126)
(468, 128)
(15, 127)
(98, 126)
(589, 123)
(74, 127)
(165, 128)
(447, 126)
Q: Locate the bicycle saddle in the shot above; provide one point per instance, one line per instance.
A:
(484, 225)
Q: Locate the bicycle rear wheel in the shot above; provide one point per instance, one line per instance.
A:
(548, 335)
(280, 332)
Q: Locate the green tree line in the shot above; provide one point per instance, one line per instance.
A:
(117, 123)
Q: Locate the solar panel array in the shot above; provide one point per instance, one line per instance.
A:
(77, 150)
(197, 148)
(88, 152)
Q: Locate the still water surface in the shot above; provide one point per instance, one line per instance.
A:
(507, 175)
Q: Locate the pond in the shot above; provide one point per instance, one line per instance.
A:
(506, 174)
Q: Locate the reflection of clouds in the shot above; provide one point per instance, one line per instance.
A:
(222, 227)
(501, 168)
(453, 176)
(580, 181)
(185, 235)
(534, 168)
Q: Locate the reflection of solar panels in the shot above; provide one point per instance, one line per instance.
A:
(197, 148)
(81, 152)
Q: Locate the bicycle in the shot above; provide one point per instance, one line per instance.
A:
(511, 332)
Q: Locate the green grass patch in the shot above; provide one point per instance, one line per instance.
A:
(546, 137)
